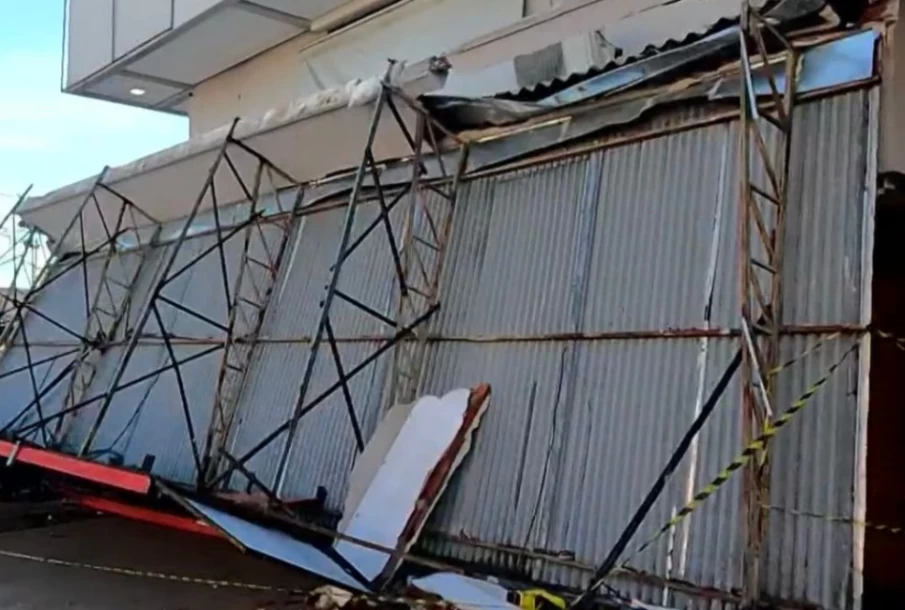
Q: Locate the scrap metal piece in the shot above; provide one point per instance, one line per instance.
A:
(403, 472)
(465, 592)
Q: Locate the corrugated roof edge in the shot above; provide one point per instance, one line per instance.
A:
(499, 109)
(655, 28)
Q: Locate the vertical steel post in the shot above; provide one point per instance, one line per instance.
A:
(761, 232)
(238, 350)
(348, 222)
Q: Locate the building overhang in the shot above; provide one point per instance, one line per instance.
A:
(307, 140)
(152, 54)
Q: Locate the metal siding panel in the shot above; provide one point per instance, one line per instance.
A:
(653, 233)
(63, 301)
(147, 418)
(606, 413)
(809, 559)
(368, 275)
(821, 272)
(324, 446)
(493, 495)
(619, 415)
(16, 390)
(715, 543)
(512, 253)
(829, 249)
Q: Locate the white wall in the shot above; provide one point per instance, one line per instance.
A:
(90, 42)
(309, 63)
(135, 22)
(102, 31)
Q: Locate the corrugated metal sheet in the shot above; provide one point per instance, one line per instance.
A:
(530, 216)
(663, 205)
(61, 305)
(273, 384)
(586, 38)
(129, 429)
(324, 446)
(642, 276)
(17, 391)
(624, 239)
(147, 418)
(806, 558)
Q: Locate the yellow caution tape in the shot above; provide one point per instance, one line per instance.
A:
(370, 599)
(899, 341)
(892, 529)
(210, 582)
(753, 448)
(802, 355)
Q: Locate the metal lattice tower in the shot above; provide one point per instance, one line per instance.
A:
(765, 144)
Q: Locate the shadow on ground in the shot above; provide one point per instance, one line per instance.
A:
(30, 585)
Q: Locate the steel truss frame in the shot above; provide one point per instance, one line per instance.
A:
(246, 300)
(762, 227)
(417, 256)
(426, 200)
(105, 307)
(246, 297)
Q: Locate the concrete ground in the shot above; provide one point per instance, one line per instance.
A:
(105, 541)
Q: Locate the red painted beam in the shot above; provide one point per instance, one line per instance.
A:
(120, 478)
(147, 515)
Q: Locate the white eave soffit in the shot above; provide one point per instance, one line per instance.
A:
(156, 66)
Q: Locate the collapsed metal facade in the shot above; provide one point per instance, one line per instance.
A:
(598, 294)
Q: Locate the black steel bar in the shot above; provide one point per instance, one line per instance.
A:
(264, 160)
(374, 224)
(406, 133)
(252, 477)
(387, 225)
(31, 375)
(38, 363)
(347, 395)
(124, 386)
(85, 268)
(235, 172)
(232, 233)
(641, 512)
(331, 289)
(23, 305)
(40, 285)
(44, 391)
(367, 309)
(329, 391)
(146, 310)
(131, 204)
(36, 289)
(224, 274)
(436, 189)
(193, 313)
(10, 298)
(100, 214)
(186, 412)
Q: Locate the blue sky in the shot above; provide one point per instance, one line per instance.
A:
(48, 138)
